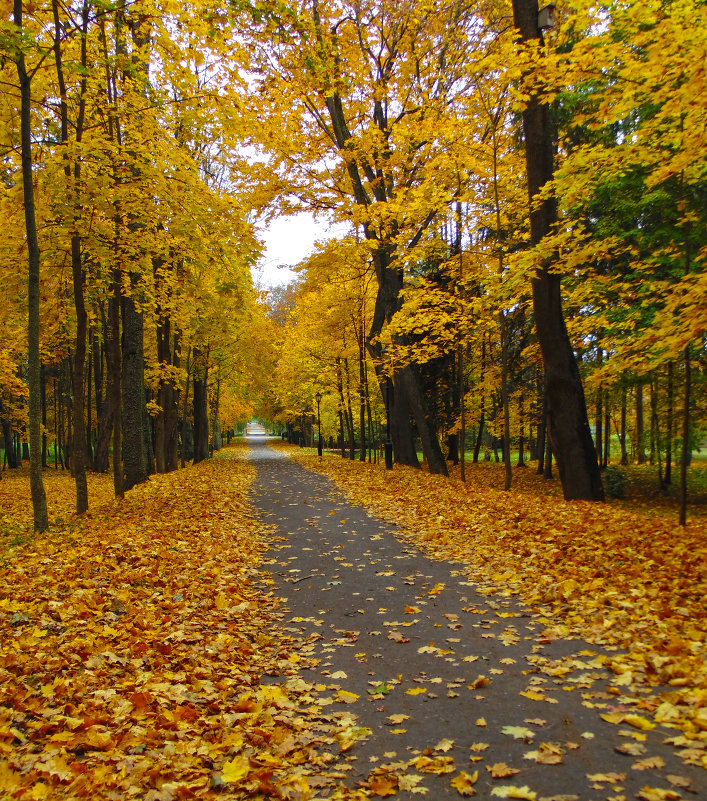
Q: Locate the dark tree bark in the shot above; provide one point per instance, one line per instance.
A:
(668, 475)
(686, 451)
(167, 422)
(607, 429)
(78, 442)
(343, 416)
(521, 433)
(39, 498)
(547, 467)
(599, 415)
(133, 394)
(362, 394)
(568, 426)
(622, 433)
(43, 391)
(640, 433)
(200, 409)
(348, 412)
(541, 434)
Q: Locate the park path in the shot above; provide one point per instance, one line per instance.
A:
(441, 674)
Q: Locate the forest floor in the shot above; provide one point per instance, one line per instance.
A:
(146, 653)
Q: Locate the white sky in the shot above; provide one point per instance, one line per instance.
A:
(288, 241)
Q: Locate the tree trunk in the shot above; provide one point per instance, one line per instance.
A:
(431, 449)
(568, 426)
(133, 393)
(185, 409)
(361, 395)
(39, 498)
(200, 408)
(686, 450)
(622, 433)
(73, 177)
(479, 434)
(607, 430)
(541, 435)
(599, 416)
(342, 408)
(505, 404)
(640, 434)
(521, 433)
(43, 392)
(668, 476)
(547, 468)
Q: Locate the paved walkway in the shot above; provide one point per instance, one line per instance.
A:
(444, 675)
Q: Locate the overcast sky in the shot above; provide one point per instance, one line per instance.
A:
(288, 241)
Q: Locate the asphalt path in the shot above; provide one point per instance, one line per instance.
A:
(447, 678)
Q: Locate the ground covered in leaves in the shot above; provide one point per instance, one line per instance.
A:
(611, 576)
(135, 647)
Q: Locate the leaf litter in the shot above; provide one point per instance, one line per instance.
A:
(136, 647)
(619, 579)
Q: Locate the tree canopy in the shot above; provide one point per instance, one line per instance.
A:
(525, 207)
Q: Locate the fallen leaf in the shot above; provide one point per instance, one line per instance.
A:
(236, 770)
(518, 732)
(510, 791)
(500, 770)
(464, 783)
(649, 763)
(444, 745)
(384, 785)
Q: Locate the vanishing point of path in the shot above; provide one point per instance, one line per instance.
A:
(441, 674)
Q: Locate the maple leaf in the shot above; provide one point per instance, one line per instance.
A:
(444, 745)
(518, 732)
(464, 783)
(383, 785)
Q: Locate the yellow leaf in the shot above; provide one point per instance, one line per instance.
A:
(500, 770)
(444, 745)
(416, 691)
(383, 785)
(236, 770)
(464, 783)
(639, 722)
(534, 696)
(510, 791)
(345, 697)
(657, 794)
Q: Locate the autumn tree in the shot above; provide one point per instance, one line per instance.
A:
(568, 424)
(366, 88)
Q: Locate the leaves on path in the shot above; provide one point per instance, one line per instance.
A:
(610, 576)
(133, 644)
